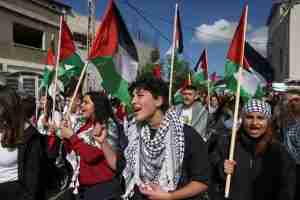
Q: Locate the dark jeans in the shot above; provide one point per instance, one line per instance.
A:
(12, 190)
(110, 190)
(297, 193)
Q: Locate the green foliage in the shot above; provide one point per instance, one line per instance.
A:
(148, 68)
(181, 72)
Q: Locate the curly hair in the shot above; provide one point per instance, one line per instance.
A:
(156, 86)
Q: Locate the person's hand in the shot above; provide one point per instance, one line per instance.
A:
(100, 132)
(154, 192)
(52, 128)
(45, 121)
(229, 166)
(66, 130)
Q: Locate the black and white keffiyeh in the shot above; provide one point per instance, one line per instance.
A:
(255, 105)
(292, 139)
(158, 159)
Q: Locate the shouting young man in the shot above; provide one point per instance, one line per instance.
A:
(165, 159)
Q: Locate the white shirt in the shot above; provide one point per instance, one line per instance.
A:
(186, 115)
(8, 164)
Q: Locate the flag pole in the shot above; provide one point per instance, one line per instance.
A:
(208, 95)
(207, 79)
(36, 94)
(76, 89)
(57, 65)
(173, 55)
(236, 109)
(46, 96)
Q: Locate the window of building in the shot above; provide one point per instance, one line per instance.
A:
(28, 36)
(12, 82)
(29, 84)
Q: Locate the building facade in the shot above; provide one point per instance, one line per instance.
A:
(283, 40)
(27, 27)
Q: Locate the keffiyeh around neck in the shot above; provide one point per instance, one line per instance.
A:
(158, 159)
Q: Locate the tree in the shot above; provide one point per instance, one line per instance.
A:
(181, 71)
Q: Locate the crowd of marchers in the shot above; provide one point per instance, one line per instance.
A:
(95, 148)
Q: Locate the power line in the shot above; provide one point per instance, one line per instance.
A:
(140, 11)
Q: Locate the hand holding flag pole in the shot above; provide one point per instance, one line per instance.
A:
(76, 89)
(238, 45)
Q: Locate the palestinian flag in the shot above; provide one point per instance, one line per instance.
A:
(48, 73)
(236, 59)
(156, 71)
(201, 69)
(252, 83)
(178, 34)
(214, 77)
(71, 63)
(114, 54)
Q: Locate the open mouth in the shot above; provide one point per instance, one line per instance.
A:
(82, 111)
(254, 128)
(137, 109)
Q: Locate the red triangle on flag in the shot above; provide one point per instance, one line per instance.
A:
(178, 36)
(236, 50)
(106, 40)
(203, 63)
(156, 71)
(50, 57)
(67, 46)
(246, 63)
(214, 77)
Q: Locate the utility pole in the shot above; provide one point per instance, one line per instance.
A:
(91, 22)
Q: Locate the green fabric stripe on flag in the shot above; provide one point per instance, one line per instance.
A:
(47, 77)
(230, 68)
(232, 86)
(69, 68)
(112, 80)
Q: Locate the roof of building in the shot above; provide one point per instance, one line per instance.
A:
(277, 4)
(59, 3)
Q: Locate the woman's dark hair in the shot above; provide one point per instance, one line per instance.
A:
(156, 86)
(29, 106)
(11, 118)
(103, 108)
(49, 105)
